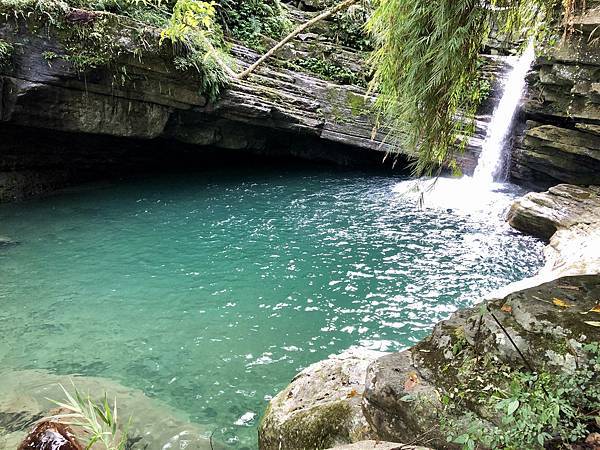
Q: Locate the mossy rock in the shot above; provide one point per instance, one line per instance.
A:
(321, 408)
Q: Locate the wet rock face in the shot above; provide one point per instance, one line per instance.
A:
(321, 407)
(276, 112)
(561, 141)
(562, 206)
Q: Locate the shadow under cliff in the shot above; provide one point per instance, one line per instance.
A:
(35, 161)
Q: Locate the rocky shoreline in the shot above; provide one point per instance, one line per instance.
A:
(400, 393)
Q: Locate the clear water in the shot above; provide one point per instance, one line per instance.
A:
(210, 291)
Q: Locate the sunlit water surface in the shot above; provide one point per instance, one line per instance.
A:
(210, 291)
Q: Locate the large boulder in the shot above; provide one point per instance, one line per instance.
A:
(562, 206)
(321, 407)
(539, 328)
(570, 217)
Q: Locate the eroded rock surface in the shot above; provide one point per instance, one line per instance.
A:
(570, 217)
(321, 407)
(142, 97)
(562, 206)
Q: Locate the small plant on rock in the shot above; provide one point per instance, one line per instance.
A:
(98, 420)
(6, 50)
(536, 410)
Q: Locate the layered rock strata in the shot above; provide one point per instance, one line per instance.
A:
(561, 140)
(138, 95)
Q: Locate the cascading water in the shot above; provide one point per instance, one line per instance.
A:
(480, 193)
(489, 165)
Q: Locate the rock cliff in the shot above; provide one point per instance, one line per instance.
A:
(561, 140)
(80, 98)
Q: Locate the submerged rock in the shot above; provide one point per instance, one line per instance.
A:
(6, 242)
(321, 407)
(24, 400)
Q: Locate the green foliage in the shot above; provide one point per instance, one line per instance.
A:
(325, 69)
(426, 61)
(348, 28)
(6, 50)
(248, 20)
(190, 20)
(535, 408)
(212, 77)
(99, 420)
(192, 27)
(92, 41)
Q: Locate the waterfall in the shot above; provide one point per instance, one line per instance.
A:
(479, 194)
(489, 165)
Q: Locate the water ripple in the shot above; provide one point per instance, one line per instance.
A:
(210, 291)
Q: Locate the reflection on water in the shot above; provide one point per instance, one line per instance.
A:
(210, 291)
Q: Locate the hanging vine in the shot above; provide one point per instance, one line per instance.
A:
(425, 64)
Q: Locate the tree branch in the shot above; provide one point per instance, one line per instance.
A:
(293, 34)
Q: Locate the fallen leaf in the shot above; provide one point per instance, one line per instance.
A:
(506, 308)
(596, 308)
(411, 382)
(594, 324)
(561, 303)
(352, 393)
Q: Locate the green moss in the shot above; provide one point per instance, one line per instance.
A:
(357, 103)
(317, 428)
(251, 20)
(325, 69)
(6, 51)
(336, 114)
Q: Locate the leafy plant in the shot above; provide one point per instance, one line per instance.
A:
(249, 20)
(190, 17)
(326, 69)
(6, 50)
(99, 420)
(536, 408)
(426, 64)
(349, 27)
(192, 27)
